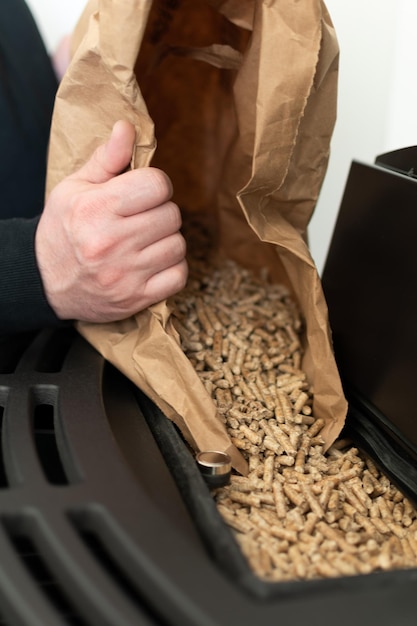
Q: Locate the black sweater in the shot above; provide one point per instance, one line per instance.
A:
(27, 91)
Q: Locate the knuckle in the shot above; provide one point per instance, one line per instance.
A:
(160, 182)
(180, 246)
(174, 215)
(93, 205)
(109, 280)
(93, 249)
(179, 276)
(123, 288)
(92, 243)
(83, 206)
(182, 276)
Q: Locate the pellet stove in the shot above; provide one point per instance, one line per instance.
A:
(105, 520)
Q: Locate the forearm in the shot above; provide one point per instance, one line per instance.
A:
(23, 305)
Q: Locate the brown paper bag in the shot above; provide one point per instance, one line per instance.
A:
(241, 96)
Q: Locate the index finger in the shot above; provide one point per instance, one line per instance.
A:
(139, 190)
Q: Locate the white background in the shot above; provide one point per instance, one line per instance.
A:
(377, 106)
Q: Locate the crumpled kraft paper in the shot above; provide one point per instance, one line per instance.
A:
(241, 98)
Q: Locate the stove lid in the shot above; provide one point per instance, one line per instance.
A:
(369, 282)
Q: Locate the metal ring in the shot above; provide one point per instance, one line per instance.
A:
(215, 466)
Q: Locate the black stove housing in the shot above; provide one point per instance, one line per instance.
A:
(100, 514)
(369, 281)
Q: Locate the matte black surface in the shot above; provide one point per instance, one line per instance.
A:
(94, 529)
(370, 281)
(403, 161)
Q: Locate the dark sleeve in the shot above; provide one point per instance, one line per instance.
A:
(27, 93)
(23, 304)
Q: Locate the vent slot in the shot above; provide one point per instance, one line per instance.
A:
(43, 577)
(46, 444)
(12, 349)
(84, 524)
(3, 477)
(54, 351)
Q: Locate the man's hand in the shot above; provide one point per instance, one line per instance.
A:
(108, 243)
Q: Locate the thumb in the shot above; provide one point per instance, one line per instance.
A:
(112, 157)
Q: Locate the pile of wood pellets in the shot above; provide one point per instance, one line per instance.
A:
(301, 513)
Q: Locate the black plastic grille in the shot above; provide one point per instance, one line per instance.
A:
(62, 477)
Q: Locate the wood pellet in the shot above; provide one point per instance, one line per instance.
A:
(301, 513)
